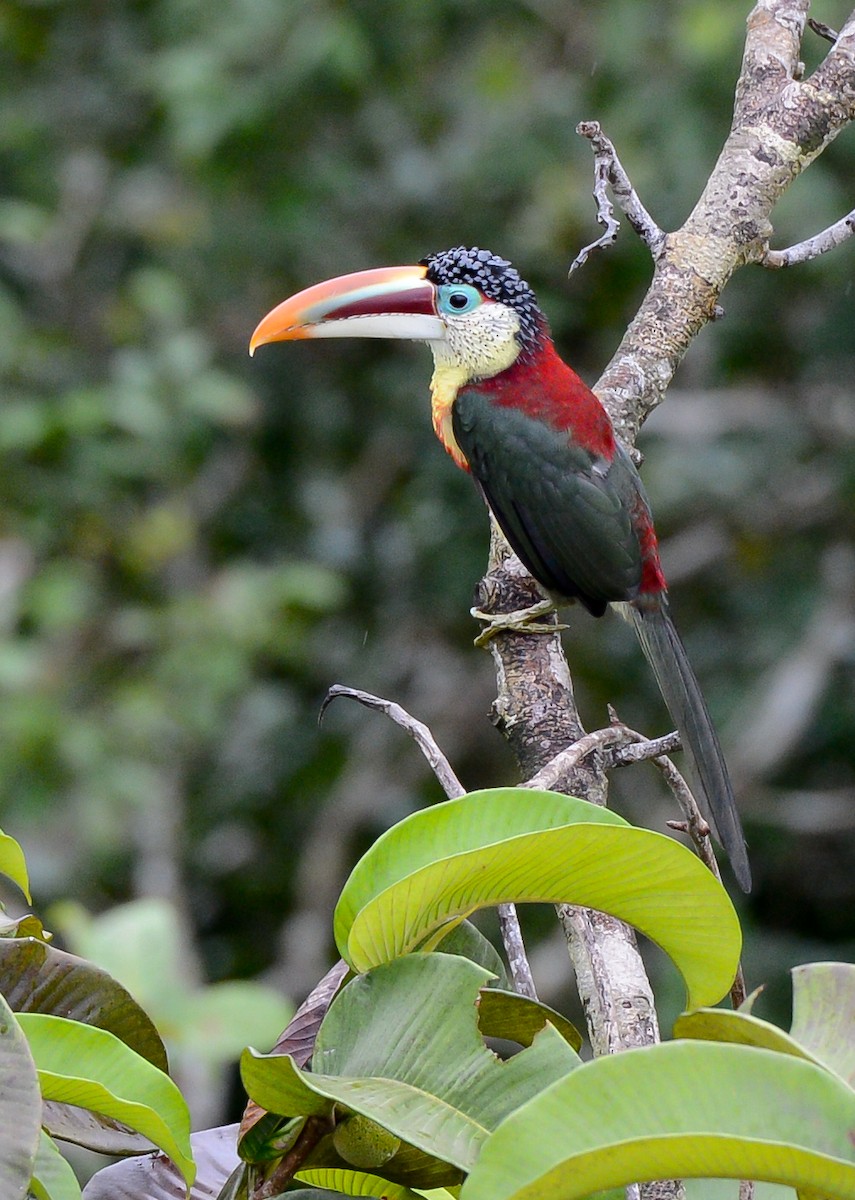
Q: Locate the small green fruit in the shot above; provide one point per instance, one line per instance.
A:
(363, 1143)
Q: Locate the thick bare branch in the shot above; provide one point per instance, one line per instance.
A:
(771, 58)
(536, 712)
(832, 80)
(781, 123)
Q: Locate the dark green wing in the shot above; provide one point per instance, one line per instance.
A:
(565, 512)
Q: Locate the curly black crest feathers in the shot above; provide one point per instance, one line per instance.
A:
(496, 278)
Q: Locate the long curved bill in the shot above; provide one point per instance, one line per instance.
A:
(388, 302)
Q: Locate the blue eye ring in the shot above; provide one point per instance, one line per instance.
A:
(457, 299)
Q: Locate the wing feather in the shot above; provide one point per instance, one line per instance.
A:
(566, 512)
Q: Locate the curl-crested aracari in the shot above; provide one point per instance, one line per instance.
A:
(543, 452)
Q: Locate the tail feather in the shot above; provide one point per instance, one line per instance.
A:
(682, 695)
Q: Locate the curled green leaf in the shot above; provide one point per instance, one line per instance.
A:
(519, 845)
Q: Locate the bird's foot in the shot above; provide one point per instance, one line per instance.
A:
(522, 620)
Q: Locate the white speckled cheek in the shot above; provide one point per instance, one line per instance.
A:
(485, 341)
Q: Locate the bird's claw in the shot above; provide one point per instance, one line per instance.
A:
(522, 620)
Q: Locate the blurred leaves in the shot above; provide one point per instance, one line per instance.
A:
(142, 945)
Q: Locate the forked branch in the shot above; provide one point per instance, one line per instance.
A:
(781, 122)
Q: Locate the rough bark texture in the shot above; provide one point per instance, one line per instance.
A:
(536, 711)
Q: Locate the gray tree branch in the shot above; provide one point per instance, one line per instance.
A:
(781, 122)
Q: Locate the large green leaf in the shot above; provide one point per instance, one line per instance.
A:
(737, 1028)
(680, 1110)
(89, 1067)
(513, 844)
(823, 1025)
(400, 1045)
(20, 1108)
(53, 1177)
(466, 939)
(456, 826)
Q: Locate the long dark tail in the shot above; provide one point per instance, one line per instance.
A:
(682, 694)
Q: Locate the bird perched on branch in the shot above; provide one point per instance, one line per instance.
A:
(543, 452)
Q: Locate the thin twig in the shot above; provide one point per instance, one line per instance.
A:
(812, 247)
(824, 31)
(609, 173)
(695, 825)
(635, 752)
(571, 756)
(509, 923)
(417, 730)
(610, 740)
(605, 216)
(287, 1166)
(515, 952)
(512, 940)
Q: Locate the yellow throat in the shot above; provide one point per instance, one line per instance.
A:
(446, 383)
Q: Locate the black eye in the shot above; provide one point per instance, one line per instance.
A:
(458, 301)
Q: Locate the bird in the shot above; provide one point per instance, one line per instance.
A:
(544, 454)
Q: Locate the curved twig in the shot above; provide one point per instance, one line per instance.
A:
(609, 173)
(509, 924)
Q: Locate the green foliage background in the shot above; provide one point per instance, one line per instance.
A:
(193, 546)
